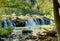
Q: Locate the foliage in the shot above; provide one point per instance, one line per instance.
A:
(13, 6)
(21, 7)
(52, 26)
(5, 31)
(10, 29)
(59, 1)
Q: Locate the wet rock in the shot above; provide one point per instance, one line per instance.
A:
(52, 33)
(46, 20)
(41, 35)
(19, 22)
(26, 31)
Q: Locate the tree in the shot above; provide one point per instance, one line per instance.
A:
(43, 7)
(13, 6)
(57, 16)
(26, 6)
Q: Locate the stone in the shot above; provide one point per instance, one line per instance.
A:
(19, 22)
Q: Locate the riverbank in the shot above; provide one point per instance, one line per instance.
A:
(40, 34)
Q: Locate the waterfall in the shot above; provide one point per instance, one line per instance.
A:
(34, 22)
(4, 23)
(30, 22)
(39, 21)
(52, 21)
(43, 23)
(9, 22)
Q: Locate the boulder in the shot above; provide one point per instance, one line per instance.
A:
(19, 22)
(46, 20)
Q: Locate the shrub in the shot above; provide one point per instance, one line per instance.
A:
(5, 31)
(10, 29)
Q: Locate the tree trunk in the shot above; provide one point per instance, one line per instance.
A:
(57, 17)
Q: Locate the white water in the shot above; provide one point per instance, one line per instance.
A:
(51, 21)
(34, 22)
(43, 23)
(5, 23)
(10, 22)
(30, 22)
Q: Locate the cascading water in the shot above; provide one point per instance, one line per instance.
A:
(51, 21)
(39, 21)
(9, 22)
(30, 22)
(43, 23)
(34, 22)
(4, 23)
